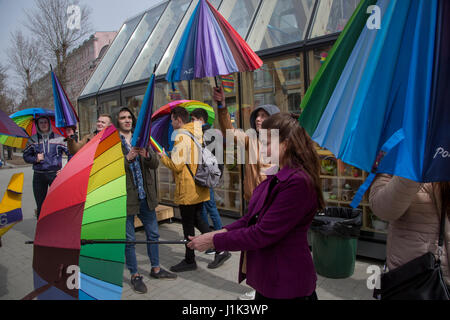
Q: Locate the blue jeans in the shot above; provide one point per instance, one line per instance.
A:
(210, 207)
(148, 218)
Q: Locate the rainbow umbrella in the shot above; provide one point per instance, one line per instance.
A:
(11, 205)
(65, 112)
(25, 119)
(86, 201)
(210, 47)
(380, 101)
(9, 127)
(161, 123)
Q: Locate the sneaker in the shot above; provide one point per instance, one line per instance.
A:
(248, 295)
(219, 259)
(163, 275)
(138, 285)
(210, 251)
(184, 266)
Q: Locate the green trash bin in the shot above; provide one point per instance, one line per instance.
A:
(334, 236)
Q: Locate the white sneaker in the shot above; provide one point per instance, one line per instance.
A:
(248, 295)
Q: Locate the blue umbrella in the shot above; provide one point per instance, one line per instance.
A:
(389, 111)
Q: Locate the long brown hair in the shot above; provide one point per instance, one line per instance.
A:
(300, 151)
(442, 189)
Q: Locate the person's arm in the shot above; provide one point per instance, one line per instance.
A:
(390, 197)
(29, 154)
(151, 159)
(179, 154)
(74, 146)
(285, 213)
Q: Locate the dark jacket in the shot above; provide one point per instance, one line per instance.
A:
(273, 237)
(148, 167)
(51, 145)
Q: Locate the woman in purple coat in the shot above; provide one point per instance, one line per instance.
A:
(272, 236)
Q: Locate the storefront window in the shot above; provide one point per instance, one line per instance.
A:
(110, 107)
(317, 58)
(133, 48)
(87, 112)
(332, 16)
(162, 35)
(111, 56)
(280, 82)
(280, 22)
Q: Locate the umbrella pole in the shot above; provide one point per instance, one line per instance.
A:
(87, 242)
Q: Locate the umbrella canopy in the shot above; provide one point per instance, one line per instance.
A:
(25, 119)
(210, 47)
(86, 201)
(11, 205)
(162, 126)
(9, 127)
(141, 134)
(65, 112)
(380, 101)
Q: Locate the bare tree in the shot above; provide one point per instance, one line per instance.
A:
(6, 103)
(59, 25)
(25, 58)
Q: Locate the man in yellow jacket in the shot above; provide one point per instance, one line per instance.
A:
(188, 195)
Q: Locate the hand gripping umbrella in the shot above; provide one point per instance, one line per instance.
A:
(380, 101)
(81, 229)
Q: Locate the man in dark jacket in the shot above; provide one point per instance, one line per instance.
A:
(140, 166)
(44, 150)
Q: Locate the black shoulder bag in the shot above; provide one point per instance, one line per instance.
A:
(419, 279)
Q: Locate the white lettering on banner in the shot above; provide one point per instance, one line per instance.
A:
(441, 152)
(374, 21)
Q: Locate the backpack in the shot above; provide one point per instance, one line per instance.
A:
(208, 173)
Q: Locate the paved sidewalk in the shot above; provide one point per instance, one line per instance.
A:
(16, 275)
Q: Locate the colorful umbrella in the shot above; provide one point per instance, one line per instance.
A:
(86, 201)
(380, 101)
(25, 119)
(9, 128)
(11, 205)
(210, 47)
(65, 112)
(161, 123)
(141, 134)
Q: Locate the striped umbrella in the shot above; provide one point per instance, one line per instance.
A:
(210, 47)
(380, 101)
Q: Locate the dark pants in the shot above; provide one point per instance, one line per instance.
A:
(41, 183)
(312, 297)
(191, 217)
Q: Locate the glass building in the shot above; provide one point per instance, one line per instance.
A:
(292, 37)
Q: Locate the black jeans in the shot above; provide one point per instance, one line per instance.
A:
(41, 183)
(191, 217)
(312, 297)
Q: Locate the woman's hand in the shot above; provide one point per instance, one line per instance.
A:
(132, 155)
(203, 242)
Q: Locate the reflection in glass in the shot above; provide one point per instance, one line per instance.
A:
(110, 57)
(239, 13)
(158, 41)
(332, 16)
(133, 48)
(280, 22)
(88, 116)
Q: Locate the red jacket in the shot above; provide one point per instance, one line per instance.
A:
(273, 236)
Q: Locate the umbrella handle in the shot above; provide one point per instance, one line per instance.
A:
(215, 80)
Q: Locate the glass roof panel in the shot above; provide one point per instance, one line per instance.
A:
(158, 41)
(111, 55)
(280, 22)
(239, 13)
(133, 48)
(332, 16)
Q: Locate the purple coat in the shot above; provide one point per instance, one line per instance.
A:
(279, 262)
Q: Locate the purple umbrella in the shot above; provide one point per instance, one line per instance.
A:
(9, 128)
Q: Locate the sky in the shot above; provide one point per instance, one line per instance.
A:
(106, 15)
